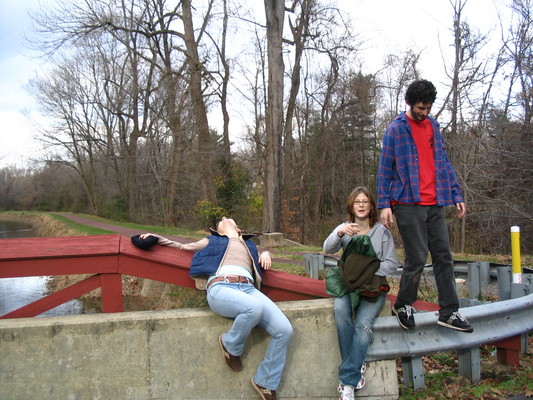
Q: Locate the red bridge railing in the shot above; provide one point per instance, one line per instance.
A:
(107, 257)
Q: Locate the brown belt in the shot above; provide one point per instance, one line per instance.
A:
(230, 279)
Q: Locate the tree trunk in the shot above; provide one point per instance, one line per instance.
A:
(274, 10)
(205, 146)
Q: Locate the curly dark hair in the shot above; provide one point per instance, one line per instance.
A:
(420, 91)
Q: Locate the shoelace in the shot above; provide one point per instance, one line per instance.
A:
(409, 311)
(456, 315)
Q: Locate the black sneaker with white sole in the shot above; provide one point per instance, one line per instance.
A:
(405, 316)
(455, 321)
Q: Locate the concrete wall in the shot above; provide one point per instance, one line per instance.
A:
(170, 355)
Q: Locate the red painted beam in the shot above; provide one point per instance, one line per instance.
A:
(175, 275)
(59, 255)
(57, 247)
(58, 266)
(55, 299)
(281, 286)
(111, 293)
(159, 263)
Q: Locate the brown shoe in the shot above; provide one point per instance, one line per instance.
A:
(266, 394)
(234, 362)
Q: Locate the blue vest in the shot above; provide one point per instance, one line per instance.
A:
(206, 261)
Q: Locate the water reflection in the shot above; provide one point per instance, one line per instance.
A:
(18, 292)
(12, 229)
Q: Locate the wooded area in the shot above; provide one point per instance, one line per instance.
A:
(134, 84)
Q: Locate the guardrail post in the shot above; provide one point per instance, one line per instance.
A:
(310, 265)
(413, 372)
(316, 262)
(474, 289)
(504, 283)
(484, 274)
(469, 364)
(519, 290)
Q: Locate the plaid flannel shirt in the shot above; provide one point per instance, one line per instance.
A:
(398, 173)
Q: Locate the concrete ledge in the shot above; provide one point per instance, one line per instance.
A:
(170, 355)
(272, 239)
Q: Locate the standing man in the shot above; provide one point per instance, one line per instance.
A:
(415, 183)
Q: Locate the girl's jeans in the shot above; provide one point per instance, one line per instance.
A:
(354, 335)
(424, 228)
(249, 307)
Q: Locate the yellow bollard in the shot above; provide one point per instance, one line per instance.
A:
(515, 249)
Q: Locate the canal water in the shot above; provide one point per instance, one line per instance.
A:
(18, 292)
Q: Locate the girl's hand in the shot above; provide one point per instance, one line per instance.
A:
(351, 229)
(265, 260)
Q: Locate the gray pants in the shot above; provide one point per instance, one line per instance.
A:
(423, 229)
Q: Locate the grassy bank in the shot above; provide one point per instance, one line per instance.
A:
(45, 224)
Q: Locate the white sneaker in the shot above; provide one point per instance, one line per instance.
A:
(361, 383)
(346, 392)
(363, 368)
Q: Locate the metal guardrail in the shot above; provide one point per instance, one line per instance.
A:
(492, 322)
(316, 262)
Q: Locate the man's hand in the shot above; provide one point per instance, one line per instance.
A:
(265, 260)
(386, 217)
(461, 210)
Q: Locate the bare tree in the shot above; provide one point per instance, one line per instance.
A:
(466, 74)
(398, 72)
(520, 50)
(72, 140)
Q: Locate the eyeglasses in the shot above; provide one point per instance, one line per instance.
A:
(361, 202)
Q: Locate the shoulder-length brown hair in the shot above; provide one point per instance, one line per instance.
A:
(373, 216)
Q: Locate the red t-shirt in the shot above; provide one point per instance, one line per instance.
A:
(424, 140)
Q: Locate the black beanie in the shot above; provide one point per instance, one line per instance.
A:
(146, 243)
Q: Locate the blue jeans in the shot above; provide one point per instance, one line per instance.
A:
(249, 307)
(354, 335)
(423, 229)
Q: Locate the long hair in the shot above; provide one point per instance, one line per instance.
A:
(373, 216)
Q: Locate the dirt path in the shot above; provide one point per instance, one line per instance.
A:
(128, 232)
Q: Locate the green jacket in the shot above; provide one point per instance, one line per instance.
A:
(355, 273)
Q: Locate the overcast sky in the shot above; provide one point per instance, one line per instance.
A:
(388, 26)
